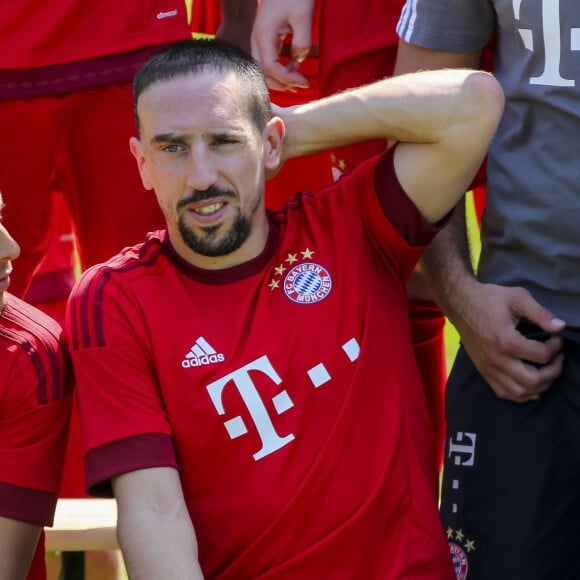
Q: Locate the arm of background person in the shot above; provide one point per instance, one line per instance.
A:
(275, 19)
(485, 315)
(154, 528)
(237, 21)
(17, 544)
(443, 121)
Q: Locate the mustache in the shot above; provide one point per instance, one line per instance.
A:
(211, 192)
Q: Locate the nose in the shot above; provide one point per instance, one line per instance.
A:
(9, 249)
(201, 171)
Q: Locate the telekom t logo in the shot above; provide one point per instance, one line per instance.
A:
(318, 376)
(271, 440)
(463, 448)
(551, 34)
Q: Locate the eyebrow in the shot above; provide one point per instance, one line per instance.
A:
(168, 138)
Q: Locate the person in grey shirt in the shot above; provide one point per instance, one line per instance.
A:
(511, 493)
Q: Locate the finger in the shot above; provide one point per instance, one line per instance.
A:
(537, 379)
(533, 311)
(291, 80)
(301, 24)
(266, 48)
(506, 377)
(510, 390)
(279, 78)
(296, 79)
(278, 86)
(548, 373)
(535, 351)
(299, 53)
(517, 393)
(283, 77)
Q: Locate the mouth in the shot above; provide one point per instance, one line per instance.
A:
(209, 212)
(209, 209)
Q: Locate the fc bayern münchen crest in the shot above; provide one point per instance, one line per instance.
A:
(307, 283)
(459, 558)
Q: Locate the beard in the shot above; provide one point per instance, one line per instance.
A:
(210, 242)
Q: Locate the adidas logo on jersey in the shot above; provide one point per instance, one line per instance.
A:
(168, 14)
(201, 353)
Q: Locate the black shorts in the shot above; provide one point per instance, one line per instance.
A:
(511, 485)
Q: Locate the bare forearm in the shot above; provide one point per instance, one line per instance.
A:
(155, 532)
(447, 265)
(18, 541)
(419, 108)
(443, 121)
(155, 548)
(487, 317)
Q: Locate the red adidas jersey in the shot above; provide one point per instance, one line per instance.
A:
(61, 31)
(35, 388)
(303, 448)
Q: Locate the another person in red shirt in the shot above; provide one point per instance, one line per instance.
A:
(35, 389)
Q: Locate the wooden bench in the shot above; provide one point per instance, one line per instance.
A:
(81, 525)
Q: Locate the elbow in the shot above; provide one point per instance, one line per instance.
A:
(484, 99)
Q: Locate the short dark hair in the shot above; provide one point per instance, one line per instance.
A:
(194, 56)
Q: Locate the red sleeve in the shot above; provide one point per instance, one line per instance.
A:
(398, 207)
(125, 455)
(119, 398)
(34, 415)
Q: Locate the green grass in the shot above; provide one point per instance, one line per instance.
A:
(451, 336)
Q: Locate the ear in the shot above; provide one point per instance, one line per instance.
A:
(273, 143)
(136, 148)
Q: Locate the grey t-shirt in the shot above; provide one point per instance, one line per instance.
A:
(531, 225)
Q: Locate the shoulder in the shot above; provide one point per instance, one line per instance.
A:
(127, 265)
(26, 326)
(110, 293)
(33, 353)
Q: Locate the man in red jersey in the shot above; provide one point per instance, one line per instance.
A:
(233, 384)
(35, 385)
